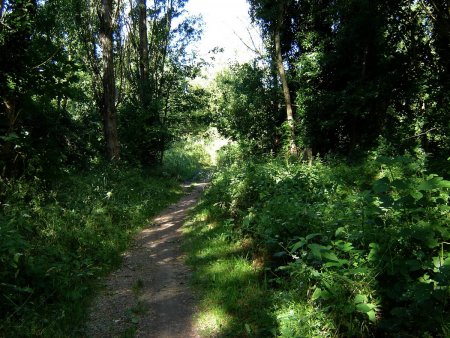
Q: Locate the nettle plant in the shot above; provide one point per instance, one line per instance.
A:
(385, 262)
(410, 249)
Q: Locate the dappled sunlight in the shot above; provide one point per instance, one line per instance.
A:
(149, 292)
(211, 322)
(232, 290)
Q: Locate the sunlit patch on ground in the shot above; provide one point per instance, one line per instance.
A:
(231, 292)
(211, 322)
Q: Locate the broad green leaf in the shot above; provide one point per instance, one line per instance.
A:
(339, 231)
(330, 255)
(374, 249)
(381, 185)
(447, 261)
(316, 294)
(400, 184)
(435, 182)
(339, 263)
(344, 246)
(298, 245)
(364, 307)
(320, 294)
(316, 250)
(372, 315)
(360, 299)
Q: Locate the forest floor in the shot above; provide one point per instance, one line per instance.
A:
(148, 295)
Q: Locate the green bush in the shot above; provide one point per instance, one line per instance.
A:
(365, 245)
(57, 237)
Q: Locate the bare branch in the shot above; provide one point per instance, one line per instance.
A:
(423, 133)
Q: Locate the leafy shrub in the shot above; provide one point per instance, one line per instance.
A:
(59, 236)
(366, 244)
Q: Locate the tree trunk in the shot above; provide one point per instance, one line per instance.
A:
(282, 74)
(143, 53)
(442, 39)
(108, 107)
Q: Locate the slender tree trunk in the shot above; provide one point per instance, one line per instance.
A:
(108, 107)
(282, 74)
(143, 53)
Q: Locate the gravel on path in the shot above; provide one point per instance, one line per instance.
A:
(148, 295)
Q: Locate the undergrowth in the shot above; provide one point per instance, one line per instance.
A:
(354, 250)
(234, 299)
(59, 236)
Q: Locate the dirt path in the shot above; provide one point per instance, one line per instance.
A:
(148, 295)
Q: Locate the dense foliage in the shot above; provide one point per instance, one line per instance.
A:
(356, 243)
(65, 102)
(245, 88)
(358, 250)
(359, 74)
(74, 99)
(59, 236)
(93, 94)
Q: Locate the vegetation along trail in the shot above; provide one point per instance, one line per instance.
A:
(147, 296)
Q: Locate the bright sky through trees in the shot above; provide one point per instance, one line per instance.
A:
(226, 23)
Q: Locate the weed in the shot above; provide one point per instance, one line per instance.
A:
(58, 237)
(353, 250)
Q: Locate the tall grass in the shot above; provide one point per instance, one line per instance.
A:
(59, 236)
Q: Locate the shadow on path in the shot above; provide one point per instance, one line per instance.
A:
(148, 296)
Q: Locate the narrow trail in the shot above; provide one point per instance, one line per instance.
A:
(148, 296)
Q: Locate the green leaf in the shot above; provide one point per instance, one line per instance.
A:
(10, 137)
(339, 263)
(298, 245)
(364, 307)
(344, 246)
(248, 329)
(447, 261)
(372, 315)
(381, 185)
(339, 231)
(374, 249)
(360, 298)
(435, 182)
(320, 294)
(316, 250)
(417, 195)
(330, 255)
(311, 236)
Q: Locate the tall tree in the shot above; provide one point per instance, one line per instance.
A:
(108, 99)
(143, 54)
(283, 78)
(275, 19)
